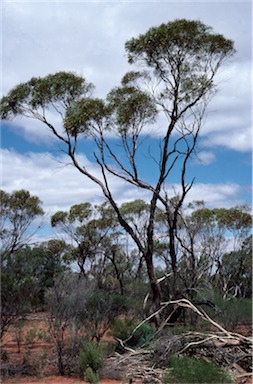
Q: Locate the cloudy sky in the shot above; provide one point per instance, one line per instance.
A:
(88, 37)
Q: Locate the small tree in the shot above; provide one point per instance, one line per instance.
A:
(66, 302)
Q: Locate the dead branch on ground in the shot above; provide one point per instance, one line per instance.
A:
(227, 349)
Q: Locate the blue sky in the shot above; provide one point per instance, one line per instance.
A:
(88, 38)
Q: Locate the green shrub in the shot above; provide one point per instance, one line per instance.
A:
(91, 376)
(189, 370)
(91, 356)
(233, 312)
(30, 336)
(141, 336)
(178, 329)
(121, 329)
(124, 330)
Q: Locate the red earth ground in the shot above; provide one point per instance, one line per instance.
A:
(47, 374)
(36, 321)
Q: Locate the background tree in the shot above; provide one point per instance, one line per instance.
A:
(180, 60)
(206, 238)
(19, 210)
(99, 246)
(25, 276)
(237, 271)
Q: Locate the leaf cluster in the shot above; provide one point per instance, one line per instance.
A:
(61, 87)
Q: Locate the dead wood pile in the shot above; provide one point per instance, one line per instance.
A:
(229, 350)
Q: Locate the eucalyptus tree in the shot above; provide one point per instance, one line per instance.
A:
(209, 242)
(237, 272)
(19, 210)
(80, 229)
(98, 244)
(177, 63)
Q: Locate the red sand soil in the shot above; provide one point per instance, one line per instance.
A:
(36, 321)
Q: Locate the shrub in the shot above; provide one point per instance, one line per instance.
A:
(233, 312)
(91, 356)
(101, 309)
(30, 336)
(91, 376)
(124, 330)
(178, 329)
(184, 369)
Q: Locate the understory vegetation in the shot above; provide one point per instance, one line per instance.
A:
(105, 306)
(191, 370)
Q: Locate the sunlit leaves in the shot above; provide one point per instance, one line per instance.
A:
(61, 88)
(85, 115)
(172, 41)
(18, 211)
(132, 108)
(80, 212)
(184, 54)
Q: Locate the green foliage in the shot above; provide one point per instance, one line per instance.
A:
(91, 376)
(32, 270)
(101, 309)
(85, 115)
(30, 336)
(228, 311)
(233, 311)
(19, 283)
(18, 211)
(58, 217)
(92, 355)
(62, 88)
(178, 329)
(188, 370)
(132, 109)
(141, 336)
(184, 51)
(18, 289)
(124, 330)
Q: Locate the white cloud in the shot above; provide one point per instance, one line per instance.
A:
(238, 141)
(204, 158)
(229, 114)
(52, 178)
(219, 195)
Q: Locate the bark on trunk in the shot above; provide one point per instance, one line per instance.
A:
(155, 288)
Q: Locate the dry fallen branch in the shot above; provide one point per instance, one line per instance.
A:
(137, 366)
(227, 349)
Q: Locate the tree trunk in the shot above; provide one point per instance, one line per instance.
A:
(61, 369)
(155, 288)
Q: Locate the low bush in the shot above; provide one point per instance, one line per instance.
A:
(91, 359)
(184, 369)
(91, 376)
(123, 330)
(233, 312)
